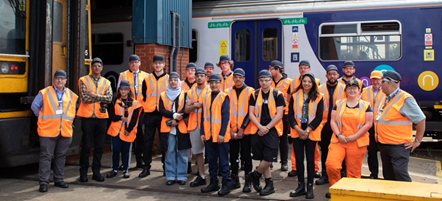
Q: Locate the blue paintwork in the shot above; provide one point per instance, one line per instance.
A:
(414, 22)
(256, 62)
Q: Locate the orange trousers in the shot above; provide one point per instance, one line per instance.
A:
(317, 158)
(353, 155)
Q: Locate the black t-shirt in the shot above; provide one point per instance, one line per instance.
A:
(279, 100)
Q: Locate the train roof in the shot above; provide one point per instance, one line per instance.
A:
(240, 7)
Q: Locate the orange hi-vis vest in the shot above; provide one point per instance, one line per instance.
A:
(185, 87)
(239, 108)
(391, 127)
(154, 89)
(182, 127)
(226, 83)
(298, 102)
(119, 127)
(50, 123)
(195, 116)
(88, 109)
(344, 125)
(283, 86)
(272, 108)
(212, 117)
(341, 80)
(338, 94)
(129, 76)
(368, 95)
(296, 82)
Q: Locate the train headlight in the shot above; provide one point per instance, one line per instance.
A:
(5, 68)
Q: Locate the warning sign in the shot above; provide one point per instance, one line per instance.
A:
(429, 39)
(295, 43)
(428, 55)
(223, 47)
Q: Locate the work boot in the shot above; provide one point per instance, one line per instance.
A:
(292, 173)
(213, 186)
(298, 191)
(247, 188)
(225, 189)
(323, 180)
(268, 189)
(284, 166)
(235, 183)
(144, 173)
(97, 177)
(310, 191)
(255, 178)
(199, 181)
(317, 174)
(328, 195)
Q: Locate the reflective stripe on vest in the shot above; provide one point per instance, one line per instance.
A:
(212, 117)
(195, 116)
(168, 106)
(149, 106)
(90, 109)
(363, 140)
(271, 104)
(237, 114)
(343, 104)
(119, 127)
(129, 76)
(298, 103)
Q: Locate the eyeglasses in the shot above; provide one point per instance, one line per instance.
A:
(96, 66)
(385, 80)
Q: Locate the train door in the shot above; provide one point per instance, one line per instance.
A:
(59, 47)
(254, 45)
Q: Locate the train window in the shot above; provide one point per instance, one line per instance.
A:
(372, 41)
(12, 27)
(193, 54)
(109, 47)
(242, 45)
(342, 28)
(270, 44)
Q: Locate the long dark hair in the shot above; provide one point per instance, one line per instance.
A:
(313, 93)
(118, 95)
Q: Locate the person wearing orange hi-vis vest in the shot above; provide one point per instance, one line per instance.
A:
(55, 108)
(194, 107)
(349, 70)
(123, 112)
(95, 94)
(266, 108)
(172, 103)
(305, 116)
(240, 128)
(304, 67)
(397, 112)
(350, 120)
(135, 77)
(210, 69)
(332, 91)
(226, 66)
(153, 86)
(373, 94)
(215, 133)
(282, 83)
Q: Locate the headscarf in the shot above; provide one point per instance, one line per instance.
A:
(173, 93)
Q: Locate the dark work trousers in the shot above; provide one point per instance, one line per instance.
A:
(94, 130)
(306, 147)
(373, 163)
(151, 123)
(324, 143)
(139, 141)
(57, 147)
(234, 147)
(120, 147)
(246, 151)
(395, 160)
(284, 140)
(218, 159)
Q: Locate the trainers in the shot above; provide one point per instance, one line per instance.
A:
(111, 174)
(199, 181)
(292, 173)
(126, 175)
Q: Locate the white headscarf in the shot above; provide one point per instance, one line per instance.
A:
(173, 93)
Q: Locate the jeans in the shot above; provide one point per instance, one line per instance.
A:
(123, 147)
(176, 160)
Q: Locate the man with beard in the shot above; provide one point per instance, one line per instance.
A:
(349, 74)
(333, 91)
(210, 69)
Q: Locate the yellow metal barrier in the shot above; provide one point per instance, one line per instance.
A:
(369, 189)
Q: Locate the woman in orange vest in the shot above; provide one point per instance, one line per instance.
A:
(171, 106)
(123, 112)
(351, 118)
(305, 116)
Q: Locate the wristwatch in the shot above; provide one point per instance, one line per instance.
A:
(417, 140)
(337, 135)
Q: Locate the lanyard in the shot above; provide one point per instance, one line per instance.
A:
(389, 99)
(59, 97)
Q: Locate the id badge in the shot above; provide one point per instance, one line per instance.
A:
(303, 120)
(378, 116)
(58, 111)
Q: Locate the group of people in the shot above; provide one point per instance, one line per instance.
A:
(219, 116)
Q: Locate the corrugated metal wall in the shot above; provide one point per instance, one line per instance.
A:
(152, 21)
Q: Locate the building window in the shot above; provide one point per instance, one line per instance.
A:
(193, 55)
(242, 45)
(109, 47)
(364, 41)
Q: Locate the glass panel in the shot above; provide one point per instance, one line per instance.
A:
(12, 28)
(386, 47)
(270, 44)
(193, 55)
(57, 34)
(242, 45)
(109, 47)
(336, 29)
(389, 26)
